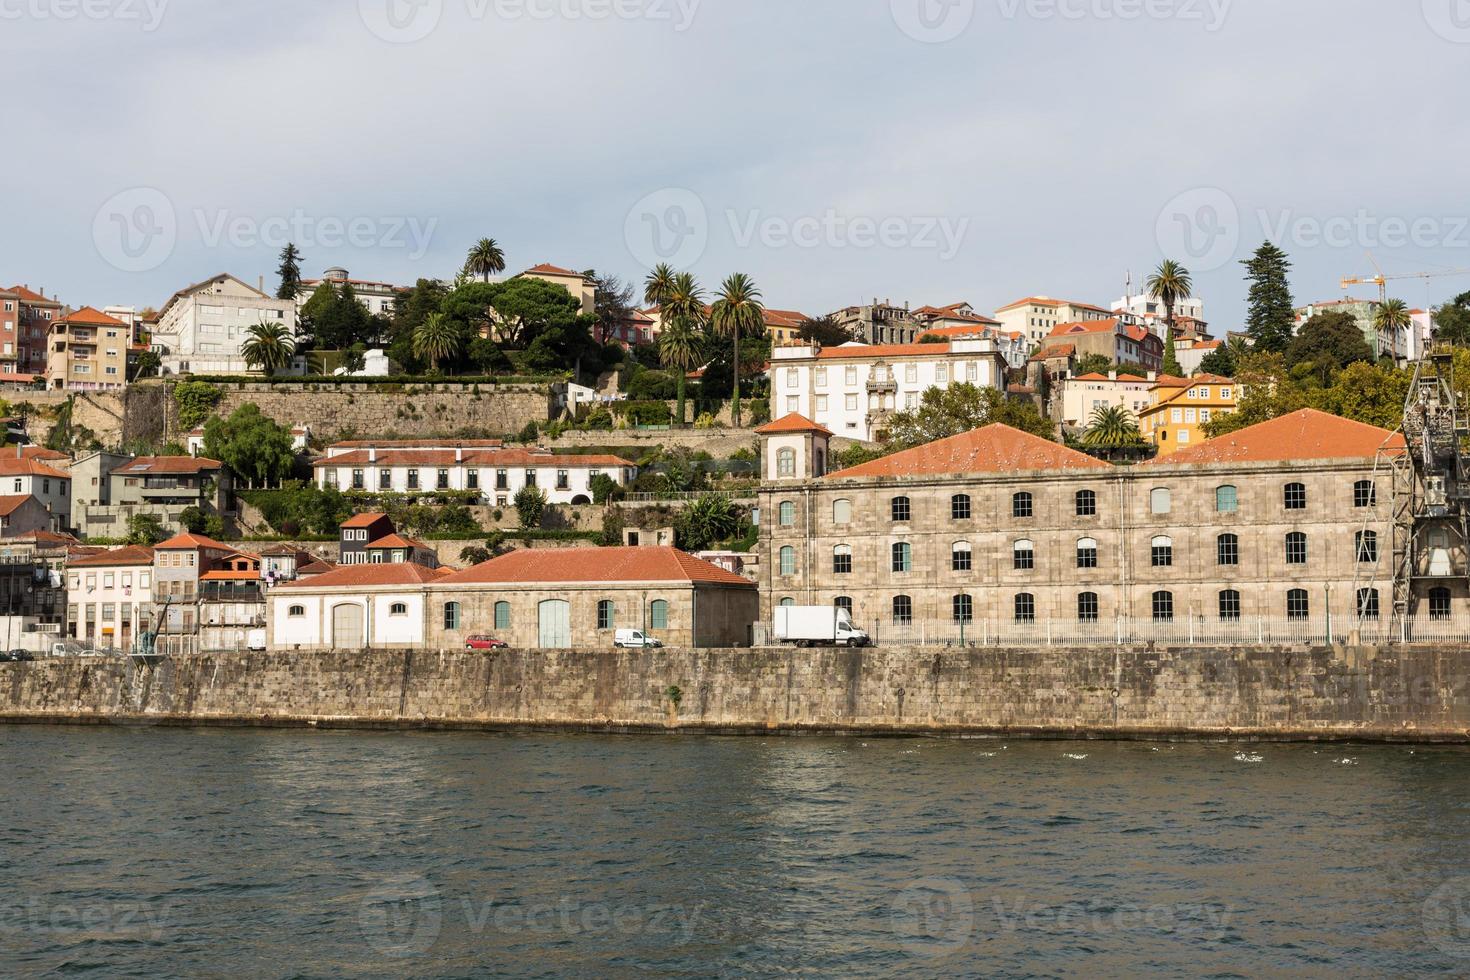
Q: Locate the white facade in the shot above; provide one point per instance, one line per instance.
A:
(387, 616)
(1149, 311)
(497, 475)
(201, 328)
(1084, 395)
(25, 477)
(379, 298)
(108, 604)
(851, 389)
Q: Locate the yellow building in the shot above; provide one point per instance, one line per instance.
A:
(1181, 407)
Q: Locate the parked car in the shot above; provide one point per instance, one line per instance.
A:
(636, 639)
(485, 643)
(17, 657)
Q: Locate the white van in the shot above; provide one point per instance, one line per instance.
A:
(635, 638)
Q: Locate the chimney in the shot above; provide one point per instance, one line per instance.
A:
(459, 454)
(372, 454)
(261, 281)
(1112, 375)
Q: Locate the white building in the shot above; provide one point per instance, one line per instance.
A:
(1036, 316)
(490, 470)
(25, 477)
(202, 327)
(1083, 395)
(378, 298)
(854, 389)
(352, 608)
(110, 597)
(1149, 311)
(300, 439)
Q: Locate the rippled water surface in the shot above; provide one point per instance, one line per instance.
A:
(148, 852)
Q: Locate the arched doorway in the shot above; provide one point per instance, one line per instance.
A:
(347, 632)
(556, 624)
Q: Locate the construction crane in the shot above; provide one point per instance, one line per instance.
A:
(1382, 281)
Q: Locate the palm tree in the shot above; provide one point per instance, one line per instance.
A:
(738, 307)
(659, 286)
(269, 347)
(682, 313)
(1171, 282)
(1111, 427)
(1391, 316)
(485, 259)
(437, 339)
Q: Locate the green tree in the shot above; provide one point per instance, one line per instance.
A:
(1369, 393)
(1112, 427)
(485, 259)
(268, 347)
(1170, 282)
(1452, 322)
(658, 285)
(437, 339)
(193, 520)
(1391, 317)
(738, 307)
(679, 344)
(146, 529)
(829, 333)
(147, 365)
(1171, 357)
(252, 445)
(945, 412)
(604, 489)
(530, 507)
(196, 401)
(612, 528)
(1265, 391)
(1220, 361)
(289, 272)
(336, 320)
(1093, 364)
(1326, 344)
(1270, 317)
(706, 522)
(474, 555)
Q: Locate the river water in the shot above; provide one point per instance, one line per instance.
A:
(160, 852)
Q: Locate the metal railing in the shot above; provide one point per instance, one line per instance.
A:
(1181, 631)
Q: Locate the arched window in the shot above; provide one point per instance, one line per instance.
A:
(903, 557)
(398, 609)
(1227, 549)
(1087, 609)
(658, 615)
(1227, 500)
(1365, 494)
(451, 615)
(786, 462)
(900, 510)
(961, 558)
(842, 512)
(1230, 606)
(963, 609)
(903, 610)
(1025, 607)
(1023, 505)
(606, 614)
(1368, 604)
(842, 560)
(1087, 553)
(1296, 548)
(787, 512)
(788, 560)
(1163, 552)
(1086, 503)
(788, 602)
(1440, 604)
(502, 615)
(843, 602)
(1294, 497)
(1298, 605)
(1161, 501)
(297, 612)
(1163, 604)
(1023, 556)
(1366, 547)
(959, 507)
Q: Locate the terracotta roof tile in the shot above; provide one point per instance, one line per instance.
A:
(181, 541)
(575, 565)
(792, 423)
(135, 554)
(148, 465)
(1307, 434)
(882, 350)
(446, 457)
(364, 520)
(230, 575)
(10, 504)
(993, 449)
(397, 541)
(547, 269)
(1032, 301)
(10, 466)
(91, 317)
(365, 576)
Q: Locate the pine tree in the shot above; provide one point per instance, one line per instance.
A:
(290, 272)
(1271, 317)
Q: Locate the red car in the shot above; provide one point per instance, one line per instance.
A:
(485, 643)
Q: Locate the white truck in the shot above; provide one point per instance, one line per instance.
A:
(810, 626)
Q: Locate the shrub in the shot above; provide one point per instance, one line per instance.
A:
(605, 488)
(530, 507)
(196, 401)
(706, 421)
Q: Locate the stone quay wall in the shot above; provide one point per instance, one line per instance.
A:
(1410, 694)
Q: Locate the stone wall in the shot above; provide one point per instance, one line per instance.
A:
(104, 412)
(1417, 694)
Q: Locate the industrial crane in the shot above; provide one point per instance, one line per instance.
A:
(1382, 281)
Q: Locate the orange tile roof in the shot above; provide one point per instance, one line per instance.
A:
(366, 576)
(9, 505)
(1054, 350)
(230, 575)
(364, 520)
(11, 466)
(993, 449)
(47, 537)
(134, 554)
(29, 296)
(92, 317)
(397, 541)
(792, 423)
(1109, 325)
(784, 318)
(882, 350)
(446, 457)
(1031, 301)
(172, 465)
(1130, 379)
(1307, 434)
(547, 269)
(418, 444)
(574, 565)
(182, 541)
(42, 453)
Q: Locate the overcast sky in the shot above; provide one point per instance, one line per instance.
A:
(927, 151)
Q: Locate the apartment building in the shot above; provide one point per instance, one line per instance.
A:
(22, 476)
(1110, 337)
(493, 473)
(25, 323)
(879, 323)
(1085, 394)
(88, 352)
(164, 486)
(996, 533)
(232, 604)
(179, 565)
(202, 327)
(1037, 316)
(378, 298)
(1149, 311)
(1182, 407)
(1396, 344)
(110, 598)
(855, 389)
